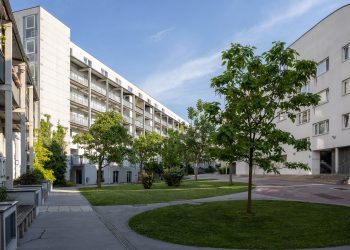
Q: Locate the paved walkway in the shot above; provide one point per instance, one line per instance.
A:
(67, 221)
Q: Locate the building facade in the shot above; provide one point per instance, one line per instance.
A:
(75, 87)
(18, 95)
(326, 125)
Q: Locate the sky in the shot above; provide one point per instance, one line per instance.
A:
(172, 49)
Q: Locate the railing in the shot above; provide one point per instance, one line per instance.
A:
(79, 120)
(79, 99)
(98, 107)
(114, 96)
(127, 119)
(78, 78)
(157, 119)
(139, 110)
(139, 123)
(127, 104)
(98, 88)
(148, 115)
(78, 160)
(148, 127)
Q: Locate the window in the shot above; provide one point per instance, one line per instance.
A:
(130, 89)
(128, 176)
(321, 128)
(323, 96)
(30, 46)
(87, 62)
(346, 52)
(117, 80)
(346, 123)
(303, 117)
(323, 67)
(104, 72)
(115, 176)
(282, 116)
(346, 86)
(140, 95)
(30, 22)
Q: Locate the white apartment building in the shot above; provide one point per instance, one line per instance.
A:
(327, 125)
(75, 86)
(18, 96)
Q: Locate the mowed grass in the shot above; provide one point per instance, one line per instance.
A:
(274, 225)
(135, 193)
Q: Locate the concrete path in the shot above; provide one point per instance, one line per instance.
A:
(67, 221)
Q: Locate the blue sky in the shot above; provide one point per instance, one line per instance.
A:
(171, 49)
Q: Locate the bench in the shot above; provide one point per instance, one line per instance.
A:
(25, 216)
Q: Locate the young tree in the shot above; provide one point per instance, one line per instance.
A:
(173, 150)
(257, 88)
(197, 136)
(147, 147)
(106, 141)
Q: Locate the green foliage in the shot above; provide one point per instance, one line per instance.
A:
(154, 168)
(256, 89)
(147, 147)
(222, 170)
(173, 151)
(106, 141)
(197, 136)
(50, 156)
(146, 180)
(173, 176)
(30, 178)
(3, 194)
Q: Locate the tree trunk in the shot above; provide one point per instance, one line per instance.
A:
(249, 203)
(196, 171)
(231, 172)
(99, 171)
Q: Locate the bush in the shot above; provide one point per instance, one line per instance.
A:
(153, 168)
(173, 176)
(30, 178)
(65, 184)
(222, 170)
(210, 170)
(189, 170)
(3, 194)
(147, 180)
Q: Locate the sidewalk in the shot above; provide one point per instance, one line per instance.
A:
(67, 221)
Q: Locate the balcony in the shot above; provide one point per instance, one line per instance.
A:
(79, 78)
(79, 99)
(148, 127)
(83, 121)
(139, 110)
(139, 123)
(114, 97)
(78, 160)
(98, 89)
(157, 119)
(98, 107)
(127, 119)
(127, 104)
(148, 115)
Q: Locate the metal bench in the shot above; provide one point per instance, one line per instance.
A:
(25, 216)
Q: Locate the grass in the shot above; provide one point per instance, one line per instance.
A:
(160, 192)
(274, 225)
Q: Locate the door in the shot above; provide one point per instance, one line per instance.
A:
(326, 166)
(128, 176)
(115, 176)
(78, 176)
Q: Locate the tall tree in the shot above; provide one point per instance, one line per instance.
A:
(197, 136)
(147, 147)
(173, 150)
(257, 89)
(106, 141)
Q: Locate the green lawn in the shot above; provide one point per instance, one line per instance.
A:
(160, 192)
(274, 225)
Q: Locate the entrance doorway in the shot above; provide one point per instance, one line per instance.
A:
(128, 176)
(115, 176)
(78, 176)
(326, 166)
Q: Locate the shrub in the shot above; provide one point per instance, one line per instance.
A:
(147, 180)
(3, 194)
(222, 170)
(153, 168)
(30, 178)
(65, 184)
(189, 170)
(173, 176)
(210, 170)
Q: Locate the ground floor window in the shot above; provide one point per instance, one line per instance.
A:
(102, 179)
(115, 176)
(128, 176)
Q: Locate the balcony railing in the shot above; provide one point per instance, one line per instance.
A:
(79, 120)
(139, 123)
(78, 78)
(127, 119)
(148, 115)
(78, 160)
(98, 88)
(127, 104)
(139, 110)
(157, 119)
(79, 99)
(98, 107)
(148, 127)
(114, 97)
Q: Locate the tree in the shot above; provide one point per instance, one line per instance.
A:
(106, 141)
(257, 89)
(146, 147)
(197, 136)
(173, 150)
